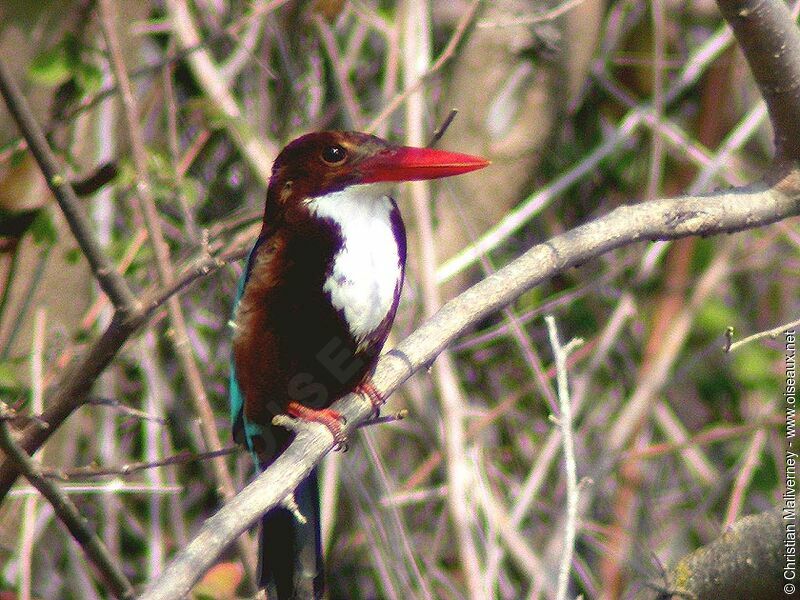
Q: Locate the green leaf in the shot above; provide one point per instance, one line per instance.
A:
(160, 164)
(8, 375)
(43, 230)
(216, 119)
(156, 25)
(51, 67)
(89, 78)
(190, 188)
(73, 255)
(17, 157)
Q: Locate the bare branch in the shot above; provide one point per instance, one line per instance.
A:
(769, 333)
(74, 386)
(770, 40)
(440, 62)
(67, 512)
(130, 468)
(255, 151)
(442, 129)
(166, 273)
(113, 284)
(514, 220)
(538, 17)
(460, 476)
(745, 562)
(560, 353)
(664, 219)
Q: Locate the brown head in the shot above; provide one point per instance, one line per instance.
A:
(319, 163)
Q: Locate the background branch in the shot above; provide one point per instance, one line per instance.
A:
(113, 284)
(74, 387)
(166, 275)
(746, 562)
(67, 512)
(565, 423)
(770, 40)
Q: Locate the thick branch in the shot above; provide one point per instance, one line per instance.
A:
(770, 40)
(746, 562)
(113, 284)
(657, 220)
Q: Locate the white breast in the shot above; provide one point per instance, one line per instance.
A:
(366, 270)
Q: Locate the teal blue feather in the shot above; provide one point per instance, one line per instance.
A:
(239, 423)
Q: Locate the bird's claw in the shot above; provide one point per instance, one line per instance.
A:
(332, 419)
(368, 389)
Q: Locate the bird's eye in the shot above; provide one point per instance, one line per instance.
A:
(333, 155)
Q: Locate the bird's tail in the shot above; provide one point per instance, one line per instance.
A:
(290, 553)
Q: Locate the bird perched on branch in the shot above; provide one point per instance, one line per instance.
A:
(313, 309)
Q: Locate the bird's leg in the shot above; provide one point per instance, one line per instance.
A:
(332, 419)
(368, 389)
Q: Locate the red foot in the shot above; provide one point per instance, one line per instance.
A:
(327, 416)
(373, 395)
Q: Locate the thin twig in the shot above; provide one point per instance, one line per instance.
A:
(769, 333)
(752, 459)
(21, 311)
(515, 542)
(444, 57)
(124, 409)
(411, 558)
(539, 17)
(416, 53)
(442, 129)
(27, 533)
(131, 468)
(8, 281)
(171, 111)
(351, 113)
(66, 511)
(560, 353)
(256, 151)
(629, 418)
(714, 435)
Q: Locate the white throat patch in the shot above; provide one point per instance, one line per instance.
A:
(366, 270)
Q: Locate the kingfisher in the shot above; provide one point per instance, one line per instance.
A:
(313, 309)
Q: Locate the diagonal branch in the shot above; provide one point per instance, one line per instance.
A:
(770, 40)
(665, 219)
(75, 384)
(257, 152)
(113, 284)
(67, 511)
(774, 67)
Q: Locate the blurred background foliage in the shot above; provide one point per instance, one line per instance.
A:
(582, 107)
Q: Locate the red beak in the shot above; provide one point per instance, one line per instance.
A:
(404, 163)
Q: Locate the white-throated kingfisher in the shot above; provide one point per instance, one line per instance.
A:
(313, 309)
